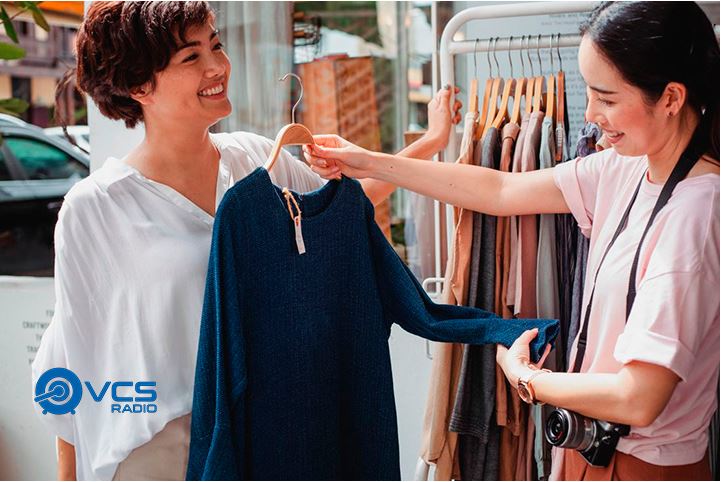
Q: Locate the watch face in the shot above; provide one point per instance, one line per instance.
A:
(524, 393)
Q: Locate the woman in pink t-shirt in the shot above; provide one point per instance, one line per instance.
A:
(652, 75)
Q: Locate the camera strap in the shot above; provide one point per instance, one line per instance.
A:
(689, 157)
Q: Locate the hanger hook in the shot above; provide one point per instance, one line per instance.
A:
(511, 64)
(521, 57)
(496, 61)
(528, 54)
(488, 60)
(300, 97)
(538, 39)
(551, 56)
(559, 41)
(476, 68)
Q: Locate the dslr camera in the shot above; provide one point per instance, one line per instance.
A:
(595, 439)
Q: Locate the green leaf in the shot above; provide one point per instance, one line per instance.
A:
(40, 20)
(38, 15)
(11, 52)
(8, 24)
(13, 106)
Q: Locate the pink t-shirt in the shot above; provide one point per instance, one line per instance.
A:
(674, 322)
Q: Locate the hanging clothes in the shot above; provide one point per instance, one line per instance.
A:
(473, 416)
(547, 297)
(511, 295)
(324, 408)
(438, 444)
(525, 301)
(508, 403)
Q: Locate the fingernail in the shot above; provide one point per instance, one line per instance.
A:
(323, 164)
(447, 87)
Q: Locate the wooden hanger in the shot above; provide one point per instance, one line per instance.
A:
(474, 86)
(486, 100)
(550, 85)
(520, 82)
(509, 84)
(529, 94)
(538, 83)
(292, 134)
(560, 102)
(494, 97)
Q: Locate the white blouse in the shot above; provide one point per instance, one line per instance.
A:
(131, 257)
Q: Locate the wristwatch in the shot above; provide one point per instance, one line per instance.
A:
(525, 389)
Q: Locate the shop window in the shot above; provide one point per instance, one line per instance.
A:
(43, 161)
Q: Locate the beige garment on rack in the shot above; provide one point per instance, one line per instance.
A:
(164, 457)
(438, 446)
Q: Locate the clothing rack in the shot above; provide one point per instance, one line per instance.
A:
(450, 48)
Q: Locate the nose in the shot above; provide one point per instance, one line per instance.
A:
(215, 66)
(592, 113)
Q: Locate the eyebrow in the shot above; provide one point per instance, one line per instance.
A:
(197, 43)
(601, 91)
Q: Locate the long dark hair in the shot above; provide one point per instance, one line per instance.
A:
(655, 43)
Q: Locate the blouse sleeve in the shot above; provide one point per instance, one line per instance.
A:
(72, 306)
(578, 181)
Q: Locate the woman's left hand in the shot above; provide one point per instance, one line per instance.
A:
(515, 360)
(441, 118)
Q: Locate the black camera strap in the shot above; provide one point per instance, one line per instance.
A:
(689, 157)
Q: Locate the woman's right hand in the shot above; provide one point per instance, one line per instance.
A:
(332, 156)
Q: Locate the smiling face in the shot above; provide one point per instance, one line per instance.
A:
(633, 126)
(192, 89)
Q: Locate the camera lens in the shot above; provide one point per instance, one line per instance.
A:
(556, 428)
(569, 430)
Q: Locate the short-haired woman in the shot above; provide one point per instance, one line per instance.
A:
(133, 239)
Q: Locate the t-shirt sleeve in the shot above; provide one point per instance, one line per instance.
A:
(72, 307)
(288, 171)
(578, 181)
(677, 300)
(670, 317)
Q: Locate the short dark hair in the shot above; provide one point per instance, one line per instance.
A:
(655, 43)
(122, 45)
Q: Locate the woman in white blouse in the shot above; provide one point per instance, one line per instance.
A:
(133, 239)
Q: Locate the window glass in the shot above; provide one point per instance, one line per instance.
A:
(43, 161)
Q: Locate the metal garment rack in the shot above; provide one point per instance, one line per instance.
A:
(450, 48)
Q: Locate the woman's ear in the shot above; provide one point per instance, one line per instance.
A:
(673, 98)
(141, 94)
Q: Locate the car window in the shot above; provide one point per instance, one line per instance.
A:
(4, 172)
(43, 161)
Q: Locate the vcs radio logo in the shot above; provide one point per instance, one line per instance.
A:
(58, 391)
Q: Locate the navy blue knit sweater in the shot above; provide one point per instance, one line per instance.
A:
(293, 378)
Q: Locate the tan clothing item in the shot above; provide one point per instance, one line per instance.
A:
(509, 410)
(525, 295)
(438, 443)
(514, 220)
(164, 457)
